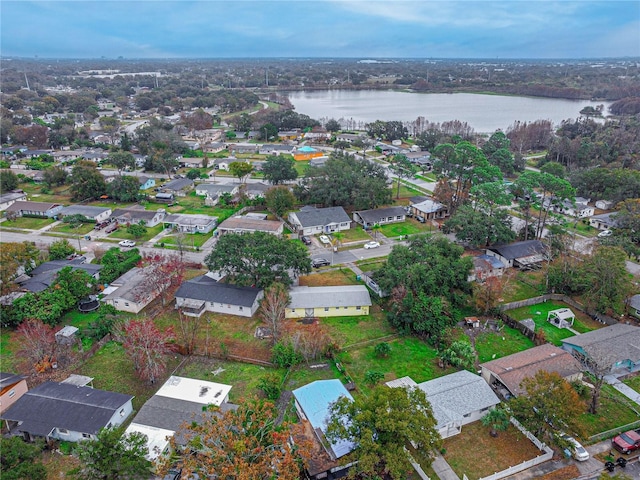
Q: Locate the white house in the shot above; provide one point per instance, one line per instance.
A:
(203, 293)
(130, 292)
(332, 301)
(97, 214)
(311, 220)
(9, 198)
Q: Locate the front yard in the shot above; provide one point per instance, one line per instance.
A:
(188, 239)
(83, 229)
(122, 234)
(476, 454)
(408, 227)
(28, 223)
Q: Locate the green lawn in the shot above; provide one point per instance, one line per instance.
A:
(189, 240)
(301, 167)
(8, 350)
(492, 345)
(83, 229)
(538, 313)
(633, 382)
(28, 223)
(614, 411)
(354, 235)
(409, 356)
(151, 232)
(34, 193)
(518, 290)
(352, 330)
(112, 370)
(408, 227)
(194, 204)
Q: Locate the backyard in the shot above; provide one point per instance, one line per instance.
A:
(491, 345)
(476, 454)
(538, 313)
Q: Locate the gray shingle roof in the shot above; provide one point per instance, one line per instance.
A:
(58, 405)
(456, 395)
(206, 289)
(610, 344)
(178, 184)
(336, 296)
(520, 249)
(7, 379)
(375, 215)
(86, 210)
(313, 217)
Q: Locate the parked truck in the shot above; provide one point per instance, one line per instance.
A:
(627, 442)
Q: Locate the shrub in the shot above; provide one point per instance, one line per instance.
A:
(284, 355)
(372, 377)
(382, 349)
(270, 385)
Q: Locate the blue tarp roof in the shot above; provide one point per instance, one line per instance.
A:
(314, 399)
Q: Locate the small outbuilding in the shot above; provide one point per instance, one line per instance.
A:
(67, 335)
(561, 318)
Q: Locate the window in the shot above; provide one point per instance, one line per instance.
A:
(126, 304)
(86, 435)
(346, 308)
(293, 310)
(466, 415)
(326, 309)
(337, 308)
(122, 412)
(11, 393)
(63, 431)
(358, 307)
(240, 308)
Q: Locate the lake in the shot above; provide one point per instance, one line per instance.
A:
(485, 113)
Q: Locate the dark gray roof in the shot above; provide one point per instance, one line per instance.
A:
(134, 213)
(44, 275)
(312, 217)
(7, 379)
(167, 413)
(520, 249)
(58, 405)
(86, 210)
(375, 215)
(634, 302)
(605, 346)
(207, 289)
(178, 184)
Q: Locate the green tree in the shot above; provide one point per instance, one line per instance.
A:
(478, 228)
(60, 249)
(12, 257)
(241, 170)
(550, 404)
(55, 176)
(332, 125)
(87, 183)
(77, 282)
(497, 152)
(279, 200)
(497, 420)
(137, 230)
(258, 258)
(460, 354)
(124, 189)
(382, 425)
(113, 456)
(427, 280)
(402, 168)
(193, 174)
(609, 284)
(8, 181)
(278, 169)
(554, 168)
(19, 460)
(121, 160)
(382, 349)
(346, 181)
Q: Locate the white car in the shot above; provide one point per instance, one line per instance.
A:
(127, 243)
(369, 245)
(577, 450)
(325, 239)
(605, 233)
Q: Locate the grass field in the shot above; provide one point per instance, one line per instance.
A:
(354, 235)
(189, 240)
(614, 411)
(538, 313)
(83, 229)
(339, 276)
(28, 223)
(492, 345)
(487, 454)
(408, 227)
(121, 233)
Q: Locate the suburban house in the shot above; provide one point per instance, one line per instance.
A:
(604, 221)
(247, 224)
(350, 137)
(634, 306)
(221, 164)
(214, 147)
(255, 190)
(421, 159)
(192, 162)
(580, 208)
(336, 301)
(146, 182)
(190, 223)
(312, 403)
(179, 187)
(137, 214)
(306, 153)
(505, 375)
(429, 209)
(379, 216)
(216, 189)
(203, 293)
(291, 135)
(485, 266)
(130, 292)
(12, 387)
(180, 400)
(524, 255)
(33, 209)
(318, 161)
(65, 411)
(614, 347)
(41, 277)
(456, 400)
(311, 220)
(275, 149)
(604, 204)
(97, 214)
(9, 198)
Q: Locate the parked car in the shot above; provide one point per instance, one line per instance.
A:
(627, 442)
(605, 233)
(369, 245)
(306, 240)
(320, 262)
(420, 218)
(577, 450)
(325, 239)
(127, 243)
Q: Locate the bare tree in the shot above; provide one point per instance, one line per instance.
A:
(272, 308)
(163, 274)
(188, 328)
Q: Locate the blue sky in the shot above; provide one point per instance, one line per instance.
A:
(320, 28)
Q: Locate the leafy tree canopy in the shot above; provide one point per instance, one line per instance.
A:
(87, 183)
(258, 258)
(279, 169)
(18, 460)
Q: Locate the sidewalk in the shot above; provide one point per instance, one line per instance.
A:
(628, 392)
(442, 469)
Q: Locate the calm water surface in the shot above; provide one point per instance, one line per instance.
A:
(485, 113)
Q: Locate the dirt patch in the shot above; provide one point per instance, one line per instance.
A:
(565, 473)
